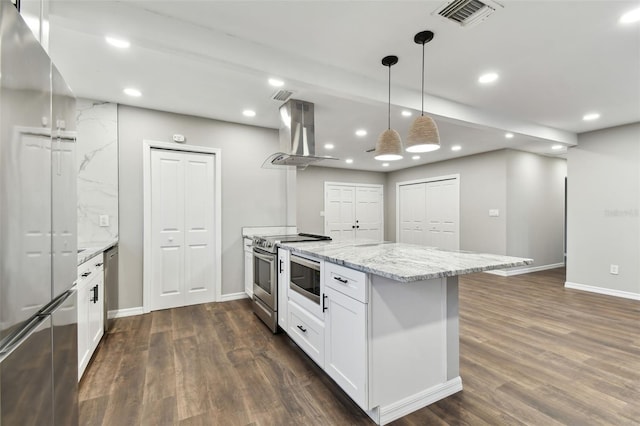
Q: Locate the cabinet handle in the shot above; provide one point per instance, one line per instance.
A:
(98, 265)
(304, 330)
(86, 274)
(324, 305)
(342, 280)
(281, 262)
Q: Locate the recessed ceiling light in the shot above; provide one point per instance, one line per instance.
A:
(249, 113)
(349, 160)
(385, 164)
(508, 135)
(456, 148)
(630, 17)
(118, 42)
(487, 78)
(276, 82)
(132, 92)
(591, 116)
(328, 146)
(406, 113)
(556, 147)
(415, 157)
(361, 132)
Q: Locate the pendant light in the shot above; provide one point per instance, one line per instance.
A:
(423, 133)
(389, 146)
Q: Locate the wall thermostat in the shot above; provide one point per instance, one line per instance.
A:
(179, 138)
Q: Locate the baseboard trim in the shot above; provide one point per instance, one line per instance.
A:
(510, 273)
(602, 290)
(408, 405)
(233, 296)
(128, 312)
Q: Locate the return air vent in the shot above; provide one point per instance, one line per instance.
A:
(467, 12)
(282, 95)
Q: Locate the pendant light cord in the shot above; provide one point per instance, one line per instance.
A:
(389, 103)
(422, 107)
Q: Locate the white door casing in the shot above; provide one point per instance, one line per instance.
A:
(182, 232)
(428, 212)
(353, 211)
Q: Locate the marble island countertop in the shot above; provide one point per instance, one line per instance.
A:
(89, 250)
(404, 262)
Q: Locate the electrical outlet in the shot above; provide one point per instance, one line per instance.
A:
(494, 213)
(104, 220)
(613, 269)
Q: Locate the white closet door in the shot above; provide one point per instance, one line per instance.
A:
(340, 212)
(442, 214)
(167, 227)
(198, 227)
(182, 228)
(368, 212)
(412, 213)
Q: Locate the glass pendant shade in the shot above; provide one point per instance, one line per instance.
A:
(389, 146)
(423, 135)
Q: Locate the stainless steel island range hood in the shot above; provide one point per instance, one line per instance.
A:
(297, 137)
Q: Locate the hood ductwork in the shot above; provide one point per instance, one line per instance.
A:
(297, 137)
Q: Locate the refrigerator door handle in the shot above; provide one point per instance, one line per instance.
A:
(15, 340)
(55, 303)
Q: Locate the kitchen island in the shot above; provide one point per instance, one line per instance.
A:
(387, 327)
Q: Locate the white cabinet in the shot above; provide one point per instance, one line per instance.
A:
(283, 288)
(307, 331)
(248, 266)
(90, 310)
(345, 348)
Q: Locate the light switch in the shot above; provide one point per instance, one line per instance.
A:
(494, 213)
(104, 220)
(613, 269)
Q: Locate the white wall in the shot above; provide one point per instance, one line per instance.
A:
(251, 196)
(310, 192)
(604, 211)
(535, 207)
(97, 162)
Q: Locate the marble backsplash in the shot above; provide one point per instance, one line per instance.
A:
(97, 162)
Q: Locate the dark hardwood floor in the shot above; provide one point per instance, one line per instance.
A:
(532, 353)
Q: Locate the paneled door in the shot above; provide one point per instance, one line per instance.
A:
(182, 228)
(429, 213)
(353, 211)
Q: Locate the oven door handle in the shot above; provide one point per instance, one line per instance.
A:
(266, 258)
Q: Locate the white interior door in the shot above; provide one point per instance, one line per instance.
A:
(182, 237)
(412, 213)
(368, 212)
(339, 212)
(429, 213)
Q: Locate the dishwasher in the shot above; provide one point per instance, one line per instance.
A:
(110, 285)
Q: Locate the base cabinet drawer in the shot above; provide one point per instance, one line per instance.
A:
(347, 281)
(307, 331)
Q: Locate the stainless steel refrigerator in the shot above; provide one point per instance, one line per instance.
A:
(38, 249)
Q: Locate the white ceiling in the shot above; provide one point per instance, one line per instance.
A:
(557, 61)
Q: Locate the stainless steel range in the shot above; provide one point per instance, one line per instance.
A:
(265, 274)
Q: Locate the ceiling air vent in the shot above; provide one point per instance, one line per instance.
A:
(282, 95)
(467, 12)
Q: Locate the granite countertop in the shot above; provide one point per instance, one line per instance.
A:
(90, 250)
(404, 262)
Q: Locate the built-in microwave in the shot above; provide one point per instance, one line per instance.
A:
(305, 281)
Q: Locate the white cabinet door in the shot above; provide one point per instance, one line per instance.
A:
(90, 309)
(248, 267)
(182, 239)
(96, 310)
(283, 288)
(345, 359)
